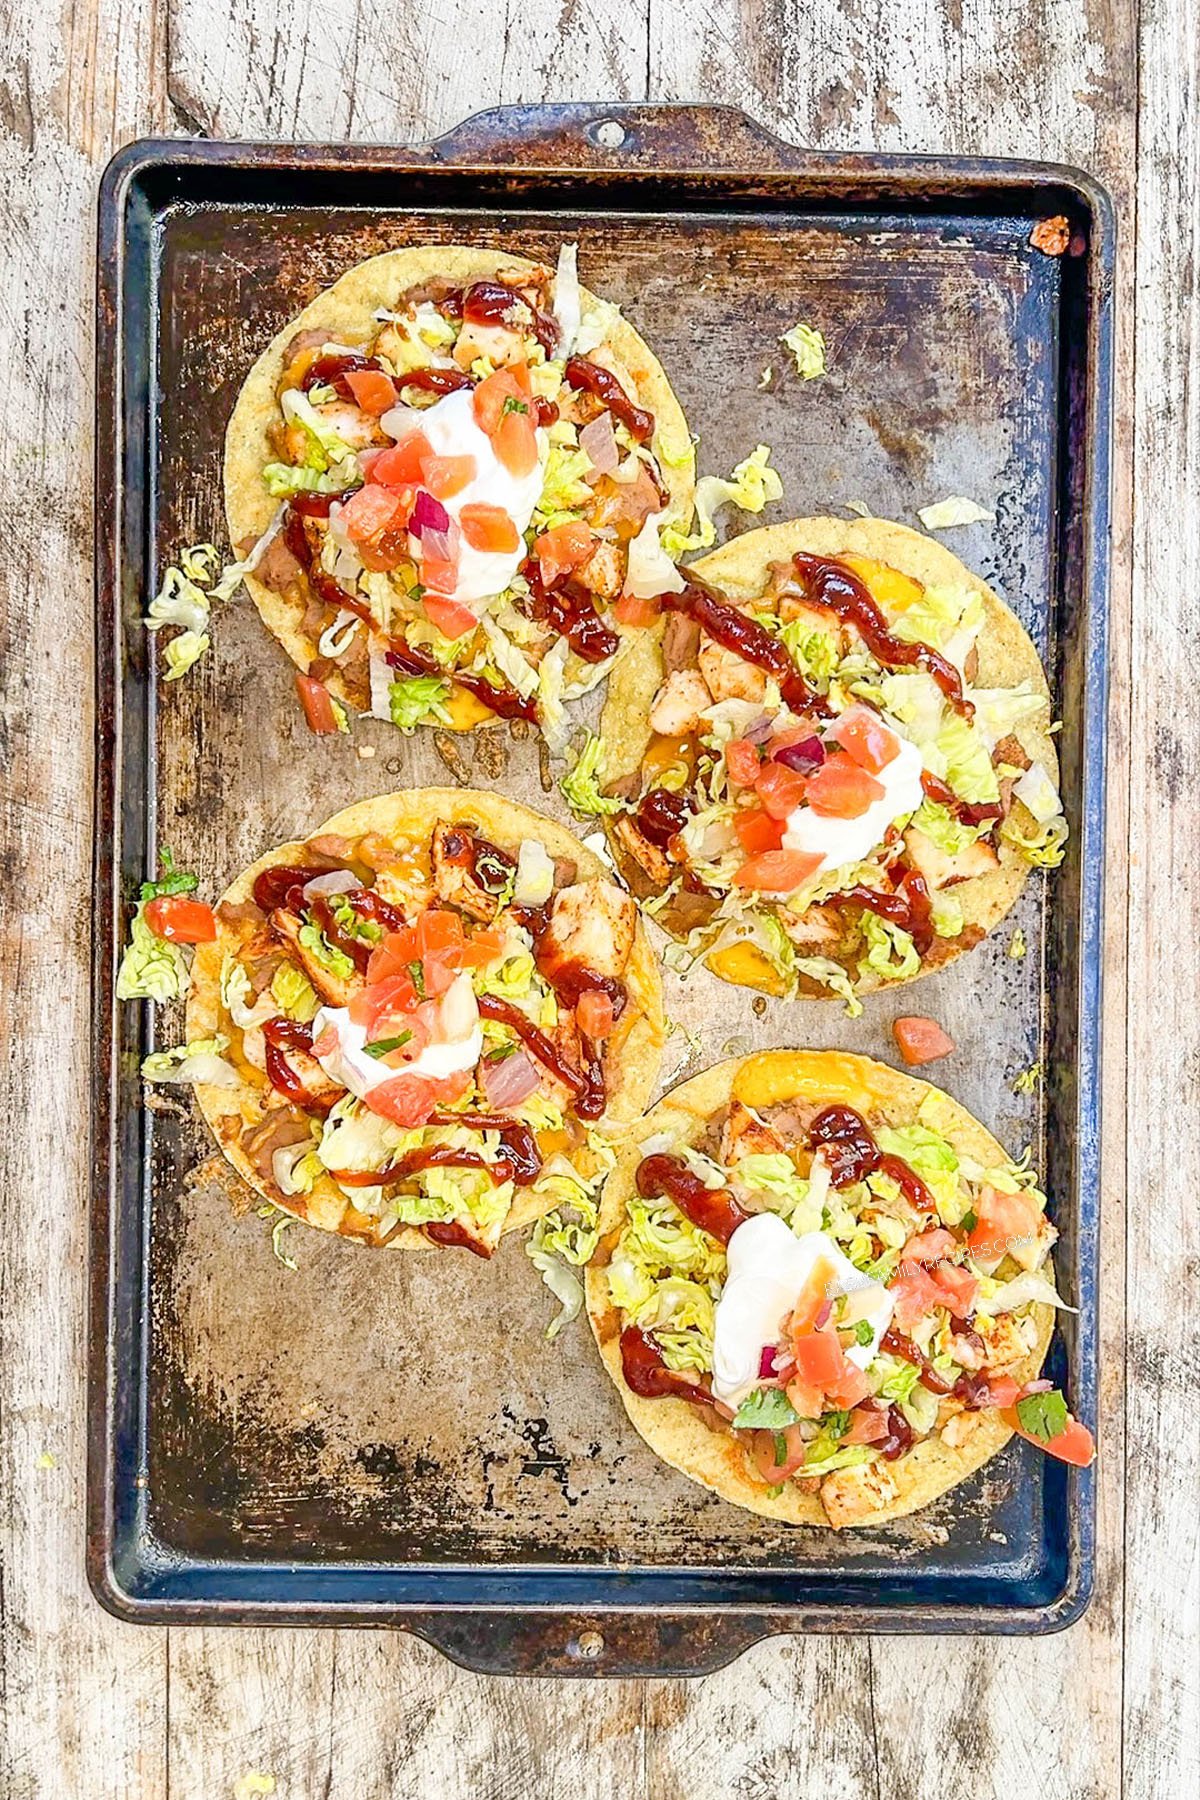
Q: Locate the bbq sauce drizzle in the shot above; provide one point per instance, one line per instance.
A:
(735, 631)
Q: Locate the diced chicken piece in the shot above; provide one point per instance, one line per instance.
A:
(356, 428)
(648, 856)
(817, 927)
(592, 925)
(959, 1430)
(454, 879)
(728, 675)
(966, 1351)
(336, 990)
(680, 642)
(1010, 749)
(746, 1135)
(679, 703)
(851, 1495)
(1003, 1344)
(604, 571)
(498, 342)
(1032, 1253)
(941, 870)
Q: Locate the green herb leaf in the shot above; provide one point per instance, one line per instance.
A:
(864, 1332)
(418, 978)
(382, 1046)
(171, 881)
(766, 1409)
(1043, 1415)
(513, 406)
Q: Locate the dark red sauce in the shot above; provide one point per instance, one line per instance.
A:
(897, 1344)
(491, 303)
(852, 1155)
(435, 381)
(282, 1035)
(713, 1209)
(367, 905)
(970, 812)
(503, 1012)
(647, 1374)
(319, 580)
(490, 867)
(272, 886)
(662, 814)
(520, 1161)
(331, 371)
(748, 639)
(570, 611)
(572, 980)
(317, 506)
(899, 1437)
(973, 1390)
(504, 700)
(452, 1233)
(590, 378)
(908, 906)
(520, 1143)
(831, 584)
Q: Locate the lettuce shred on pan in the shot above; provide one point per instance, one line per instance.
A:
(750, 487)
(581, 785)
(943, 515)
(808, 348)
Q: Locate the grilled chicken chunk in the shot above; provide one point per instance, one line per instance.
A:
(678, 704)
(729, 676)
(941, 870)
(746, 1135)
(335, 990)
(455, 879)
(849, 1495)
(591, 924)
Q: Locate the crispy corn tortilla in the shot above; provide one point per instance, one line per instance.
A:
(410, 818)
(1007, 658)
(675, 1429)
(345, 310)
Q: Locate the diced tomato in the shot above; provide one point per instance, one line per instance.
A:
(562, 549)
(406, 1100)
(929, 1246)
(594, 1014)
(866, 739)
(515, 441)
(777, 871)
(915, 1295)
(483, 948)
(181, 921)
(780, 789)
(373, 391)
(442, 949)
(743, 762)
(393, 956)
(777, 1454)
(369, 512)
(1074, 1443)
(853, 1386)
(813, 1299)
(1002, 1390)
(841, 790)
(1001, 1220)
(401, 466)
(757, 830)
(439, 575)
(920, 1040)
(868, 1424)
(488, 527)
(317, 702)
(446, 476)
(632, 610)
(956, 1287)
(451, 617)
(489, 399)
(819, 1359)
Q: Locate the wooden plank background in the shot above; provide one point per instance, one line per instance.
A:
(92, 1709)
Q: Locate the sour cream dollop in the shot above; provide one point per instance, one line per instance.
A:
(768, 1268)
(839, 842)
(452, 430)
(347, 1062)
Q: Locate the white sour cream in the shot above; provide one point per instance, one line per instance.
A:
(839, 842)
(452, 430)
(348, 1063)
(768, 1268)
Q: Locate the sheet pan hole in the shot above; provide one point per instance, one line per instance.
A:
(610, 134)
(587, 1647)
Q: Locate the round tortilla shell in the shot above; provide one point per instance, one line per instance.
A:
(411, 817)
(345, 311)
(675, 1429)
(1007, 658)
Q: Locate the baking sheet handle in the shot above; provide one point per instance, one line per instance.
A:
(665, 1646)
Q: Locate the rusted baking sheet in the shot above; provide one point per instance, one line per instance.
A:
(390, 1439)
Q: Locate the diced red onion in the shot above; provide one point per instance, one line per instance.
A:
(805, 757)
(766, 1362)
(599, 444)
(436, 544)
(760, 731)
(822, 1318)
(427, 515)
(337, 881)
(509, 1082)
(1037, 1387)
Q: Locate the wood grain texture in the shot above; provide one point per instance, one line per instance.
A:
(92, 1709)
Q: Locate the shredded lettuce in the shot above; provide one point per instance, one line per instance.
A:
(562, 1282)
(807, 346)
(325, 448)
(891, 953)
(285, 479)
(1045, 850)
(564, 489)
(311, 938)
(966, 762)
(766, 1409)
(151, 968)
(814, 651)
(941, 615)
(773, 1176)
(922, 1148)
(946, 915)
(235, 996)
(752, 484)
(943, 829)
(183, 652)
(418, 700)
(201, 1061)
(920, 1408)
(292, 990)
(943, 515)
(998, 710)
(899, 1378)
(832, 975)
(581, 786)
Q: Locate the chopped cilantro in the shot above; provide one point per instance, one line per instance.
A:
(1043, 1415)
(383, 1046)
(513, 406)
(418, 978)
(766, 1409)
(171, 881)
(864, 1332)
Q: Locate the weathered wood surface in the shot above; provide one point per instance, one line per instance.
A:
(92, 1709)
